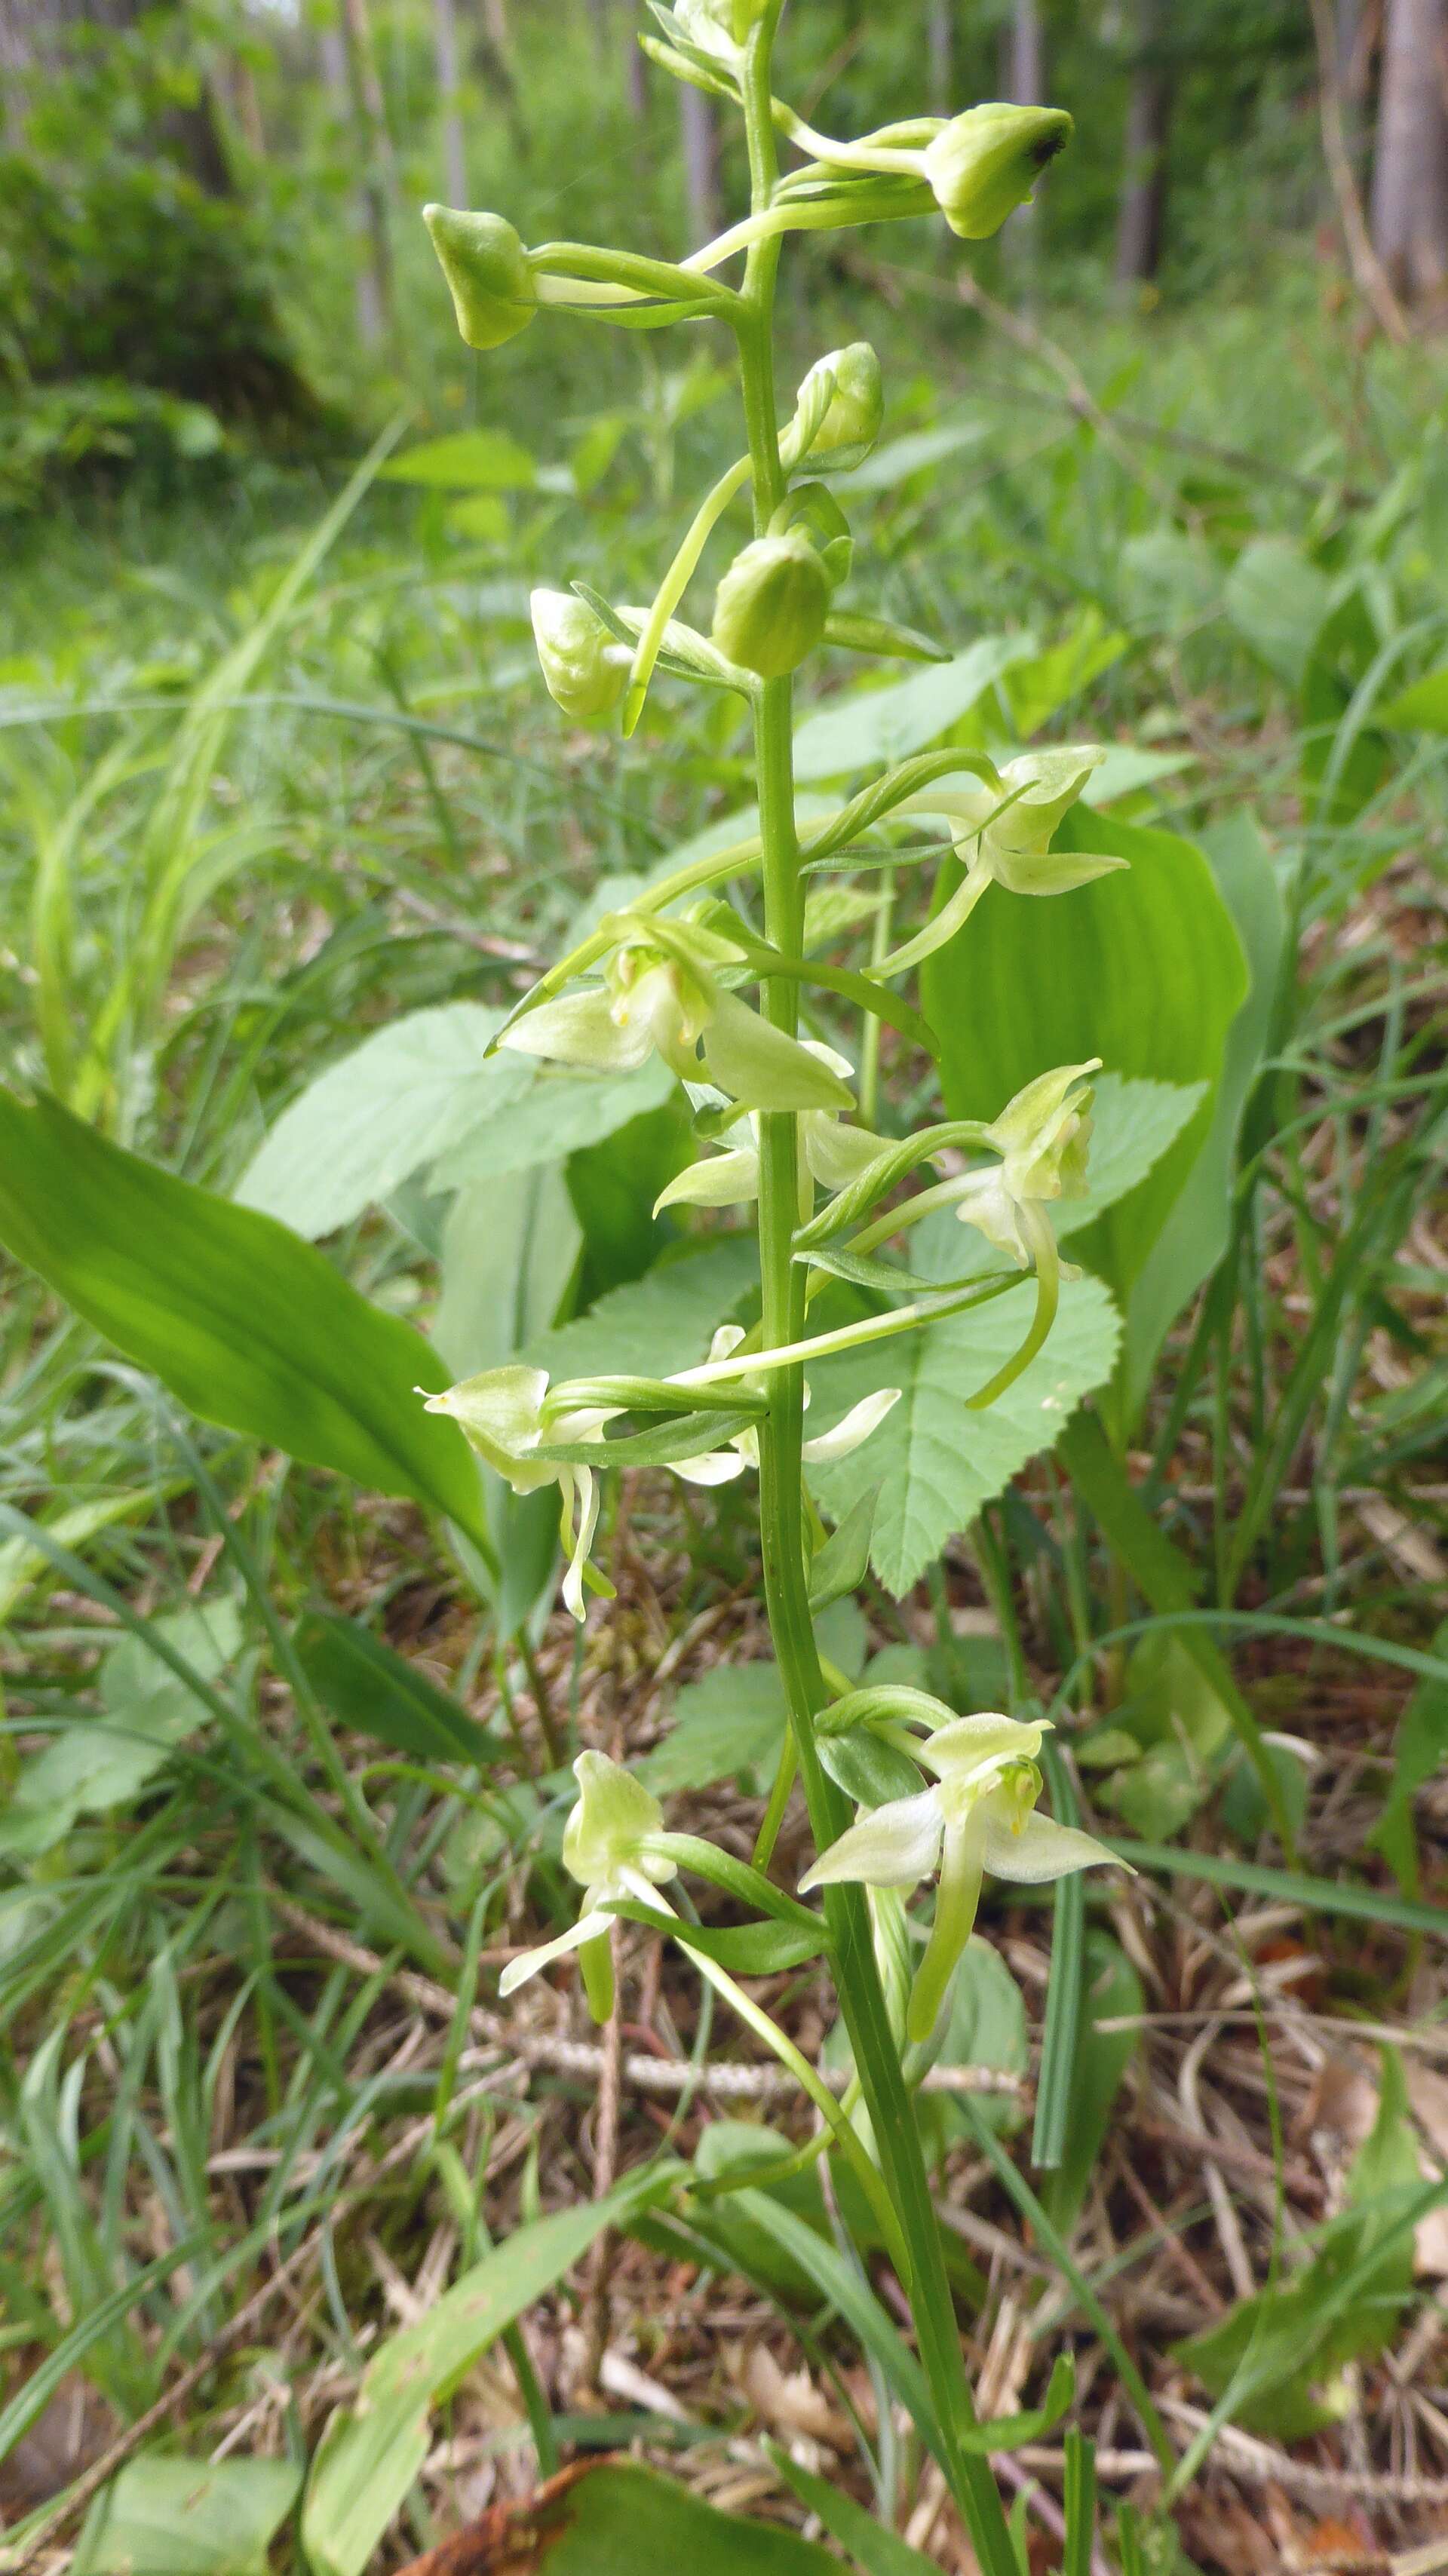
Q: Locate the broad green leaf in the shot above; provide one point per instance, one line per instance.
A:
(371, 2452)
(934, 1461)
(1196, 1229)
(1421, 709)
(1128, 768)
(98, 1762)
(731, 1723)
(873, 726)
(550, 1119)
(1143, 968)
(1277, 600)
(615, 2517)
(614, 1185)
(1418, 1757)
(510, 1249)
(1111, 1990)
(168, 2517)
(245, 1323)
(1036, 689)
(362, 1681)
(401, 1099)
(915, 453)
(468, 460)
(656, 1324)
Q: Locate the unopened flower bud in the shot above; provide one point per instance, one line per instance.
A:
(851, 424)
(772, 604)
(584, 669)
(984, 164)
(486, 266)
(709, 21)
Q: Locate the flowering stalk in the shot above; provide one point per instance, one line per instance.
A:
(656, 980)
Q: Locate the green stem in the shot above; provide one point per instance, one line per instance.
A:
(862, 2000)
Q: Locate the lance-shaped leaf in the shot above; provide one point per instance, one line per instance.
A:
(248, 1325)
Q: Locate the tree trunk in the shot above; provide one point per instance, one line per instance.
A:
(940, 54)
(454, 148)
(1028, 71)
(374, 165)
(699, 136)
(1141, 228)
(1410, 168)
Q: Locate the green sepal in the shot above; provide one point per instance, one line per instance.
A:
(867, 1769)
(688, 1435)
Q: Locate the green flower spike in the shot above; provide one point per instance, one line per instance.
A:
(980, 1815)
(834, 1153)
(584, 668)
(984, 164)
(1002, 836)
(610, 1845)
(500, 1415)
(493, 289)
(661, 994)
(721, 1466)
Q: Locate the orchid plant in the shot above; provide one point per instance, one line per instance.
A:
(773, 1108)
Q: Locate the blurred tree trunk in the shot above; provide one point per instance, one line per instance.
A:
(1141, 227)
(635, 67)
(33, 41)
(1410, 166)
(699, 137)
(377, 307)
(940, 54)
(454, 148)
(1027, 81)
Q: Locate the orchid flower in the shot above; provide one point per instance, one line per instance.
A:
(979, 1815)
(611, 1846)
(1002, 836)
(661, 993)
(1041, 1137)
(721, 1466)
(500, 1414)
(833, 1154)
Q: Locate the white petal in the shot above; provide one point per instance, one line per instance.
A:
(716, 1467)
(717, 1180)
(857, 1425)
(579, 1028)
(588, 1499)
(1041, 1850)
(518, 1971)
(897, 1846)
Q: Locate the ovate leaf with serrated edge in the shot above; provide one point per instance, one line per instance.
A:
(656, 1324)
(934, 1461)
(873, 726)
(402, 1098)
